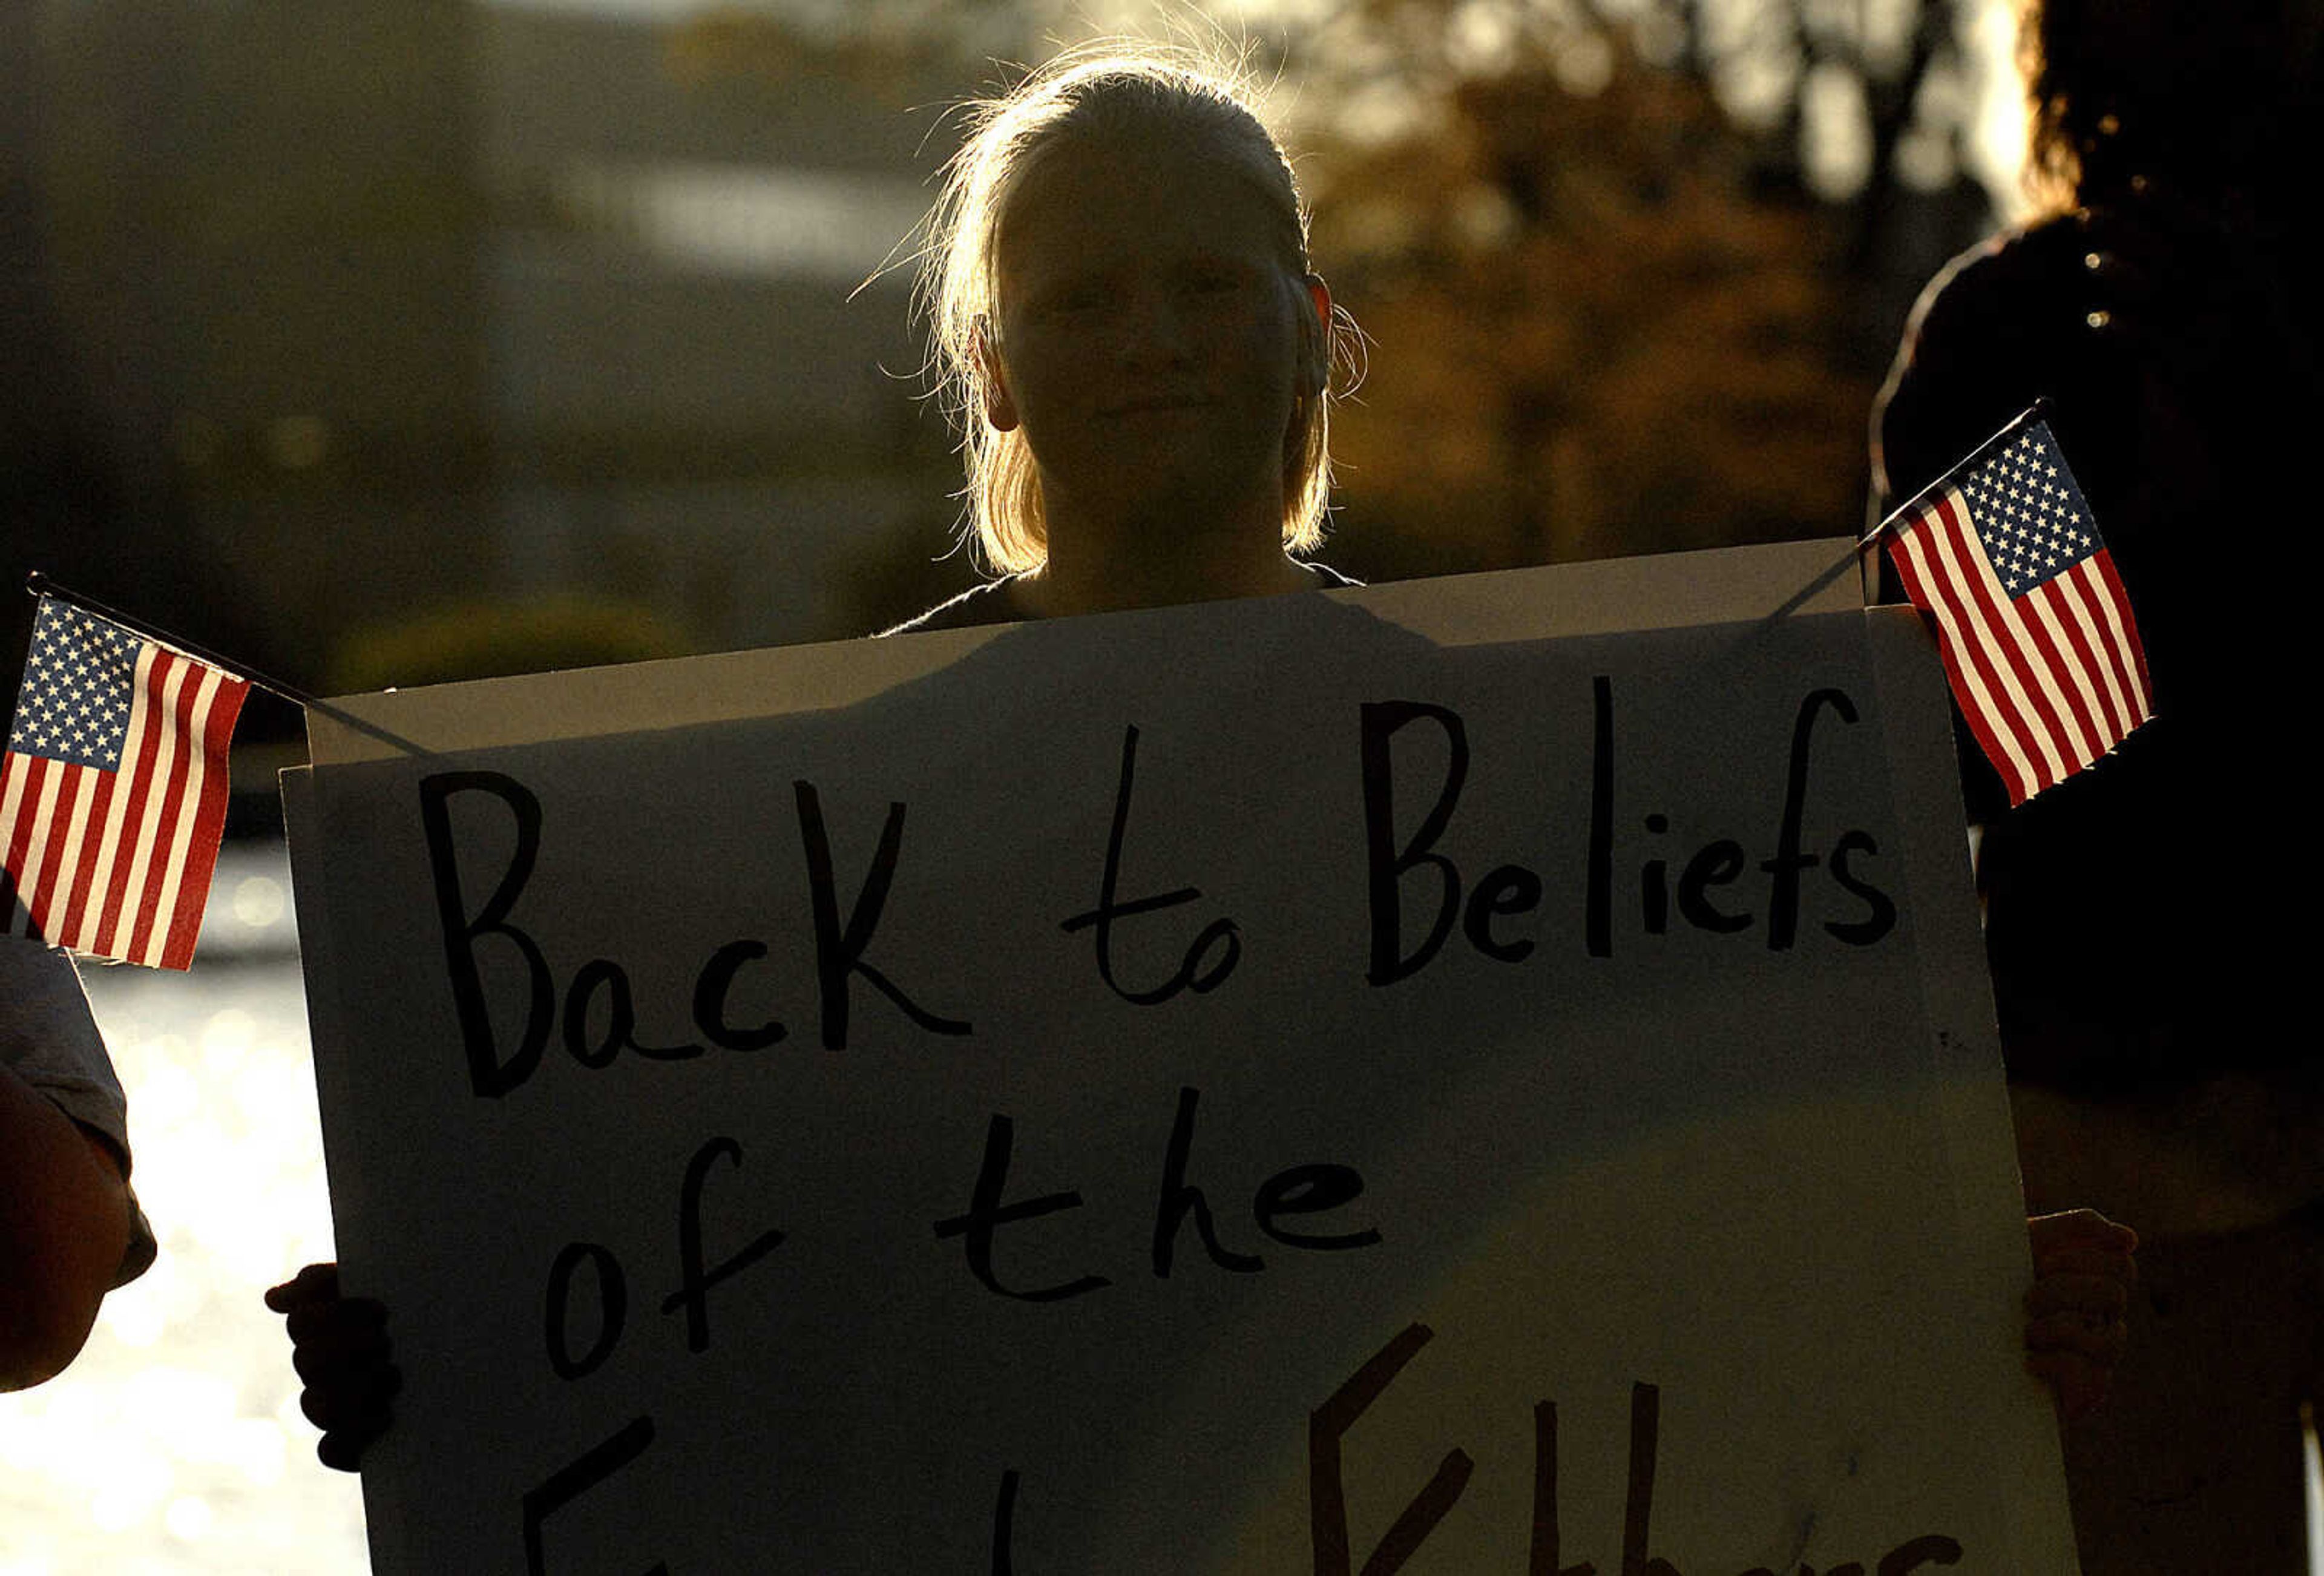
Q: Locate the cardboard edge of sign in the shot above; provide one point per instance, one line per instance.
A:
(1975, 1117)
(1606, 596)
(327, 1032)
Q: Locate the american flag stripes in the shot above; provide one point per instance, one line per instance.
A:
(113, 788)
(2032, 620)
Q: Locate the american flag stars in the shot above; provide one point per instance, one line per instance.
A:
(2029, 513)
(79, 683)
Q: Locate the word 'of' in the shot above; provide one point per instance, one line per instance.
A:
(1290, 1194)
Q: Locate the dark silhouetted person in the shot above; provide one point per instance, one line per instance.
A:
(69, 1228)
(2147, 921)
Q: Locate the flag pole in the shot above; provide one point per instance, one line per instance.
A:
(1855, 554)
(2026, 417)
(40, 585)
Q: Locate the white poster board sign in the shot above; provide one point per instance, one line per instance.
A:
(1479, 1076)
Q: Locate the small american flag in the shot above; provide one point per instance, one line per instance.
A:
(113, 792)
(2032, 618)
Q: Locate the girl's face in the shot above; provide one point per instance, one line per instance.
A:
(1152, 340)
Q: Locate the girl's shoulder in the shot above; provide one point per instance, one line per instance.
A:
(996, 601)
(1002, 601)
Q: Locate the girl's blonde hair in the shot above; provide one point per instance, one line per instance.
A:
(1113, 90)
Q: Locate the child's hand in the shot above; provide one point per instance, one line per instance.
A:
(339, 1346)
(2074, 1333)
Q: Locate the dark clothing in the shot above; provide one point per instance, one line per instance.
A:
(2133, 920)
(2146, 918)
(49, 1039)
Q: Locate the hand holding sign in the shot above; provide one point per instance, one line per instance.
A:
(339, 1346)
(2083, 1271)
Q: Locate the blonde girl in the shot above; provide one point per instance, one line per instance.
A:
(1125, 325)
(1128, 329)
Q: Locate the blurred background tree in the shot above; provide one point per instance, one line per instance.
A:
(1612, 328)
(1631, 270)
(1642, 258)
